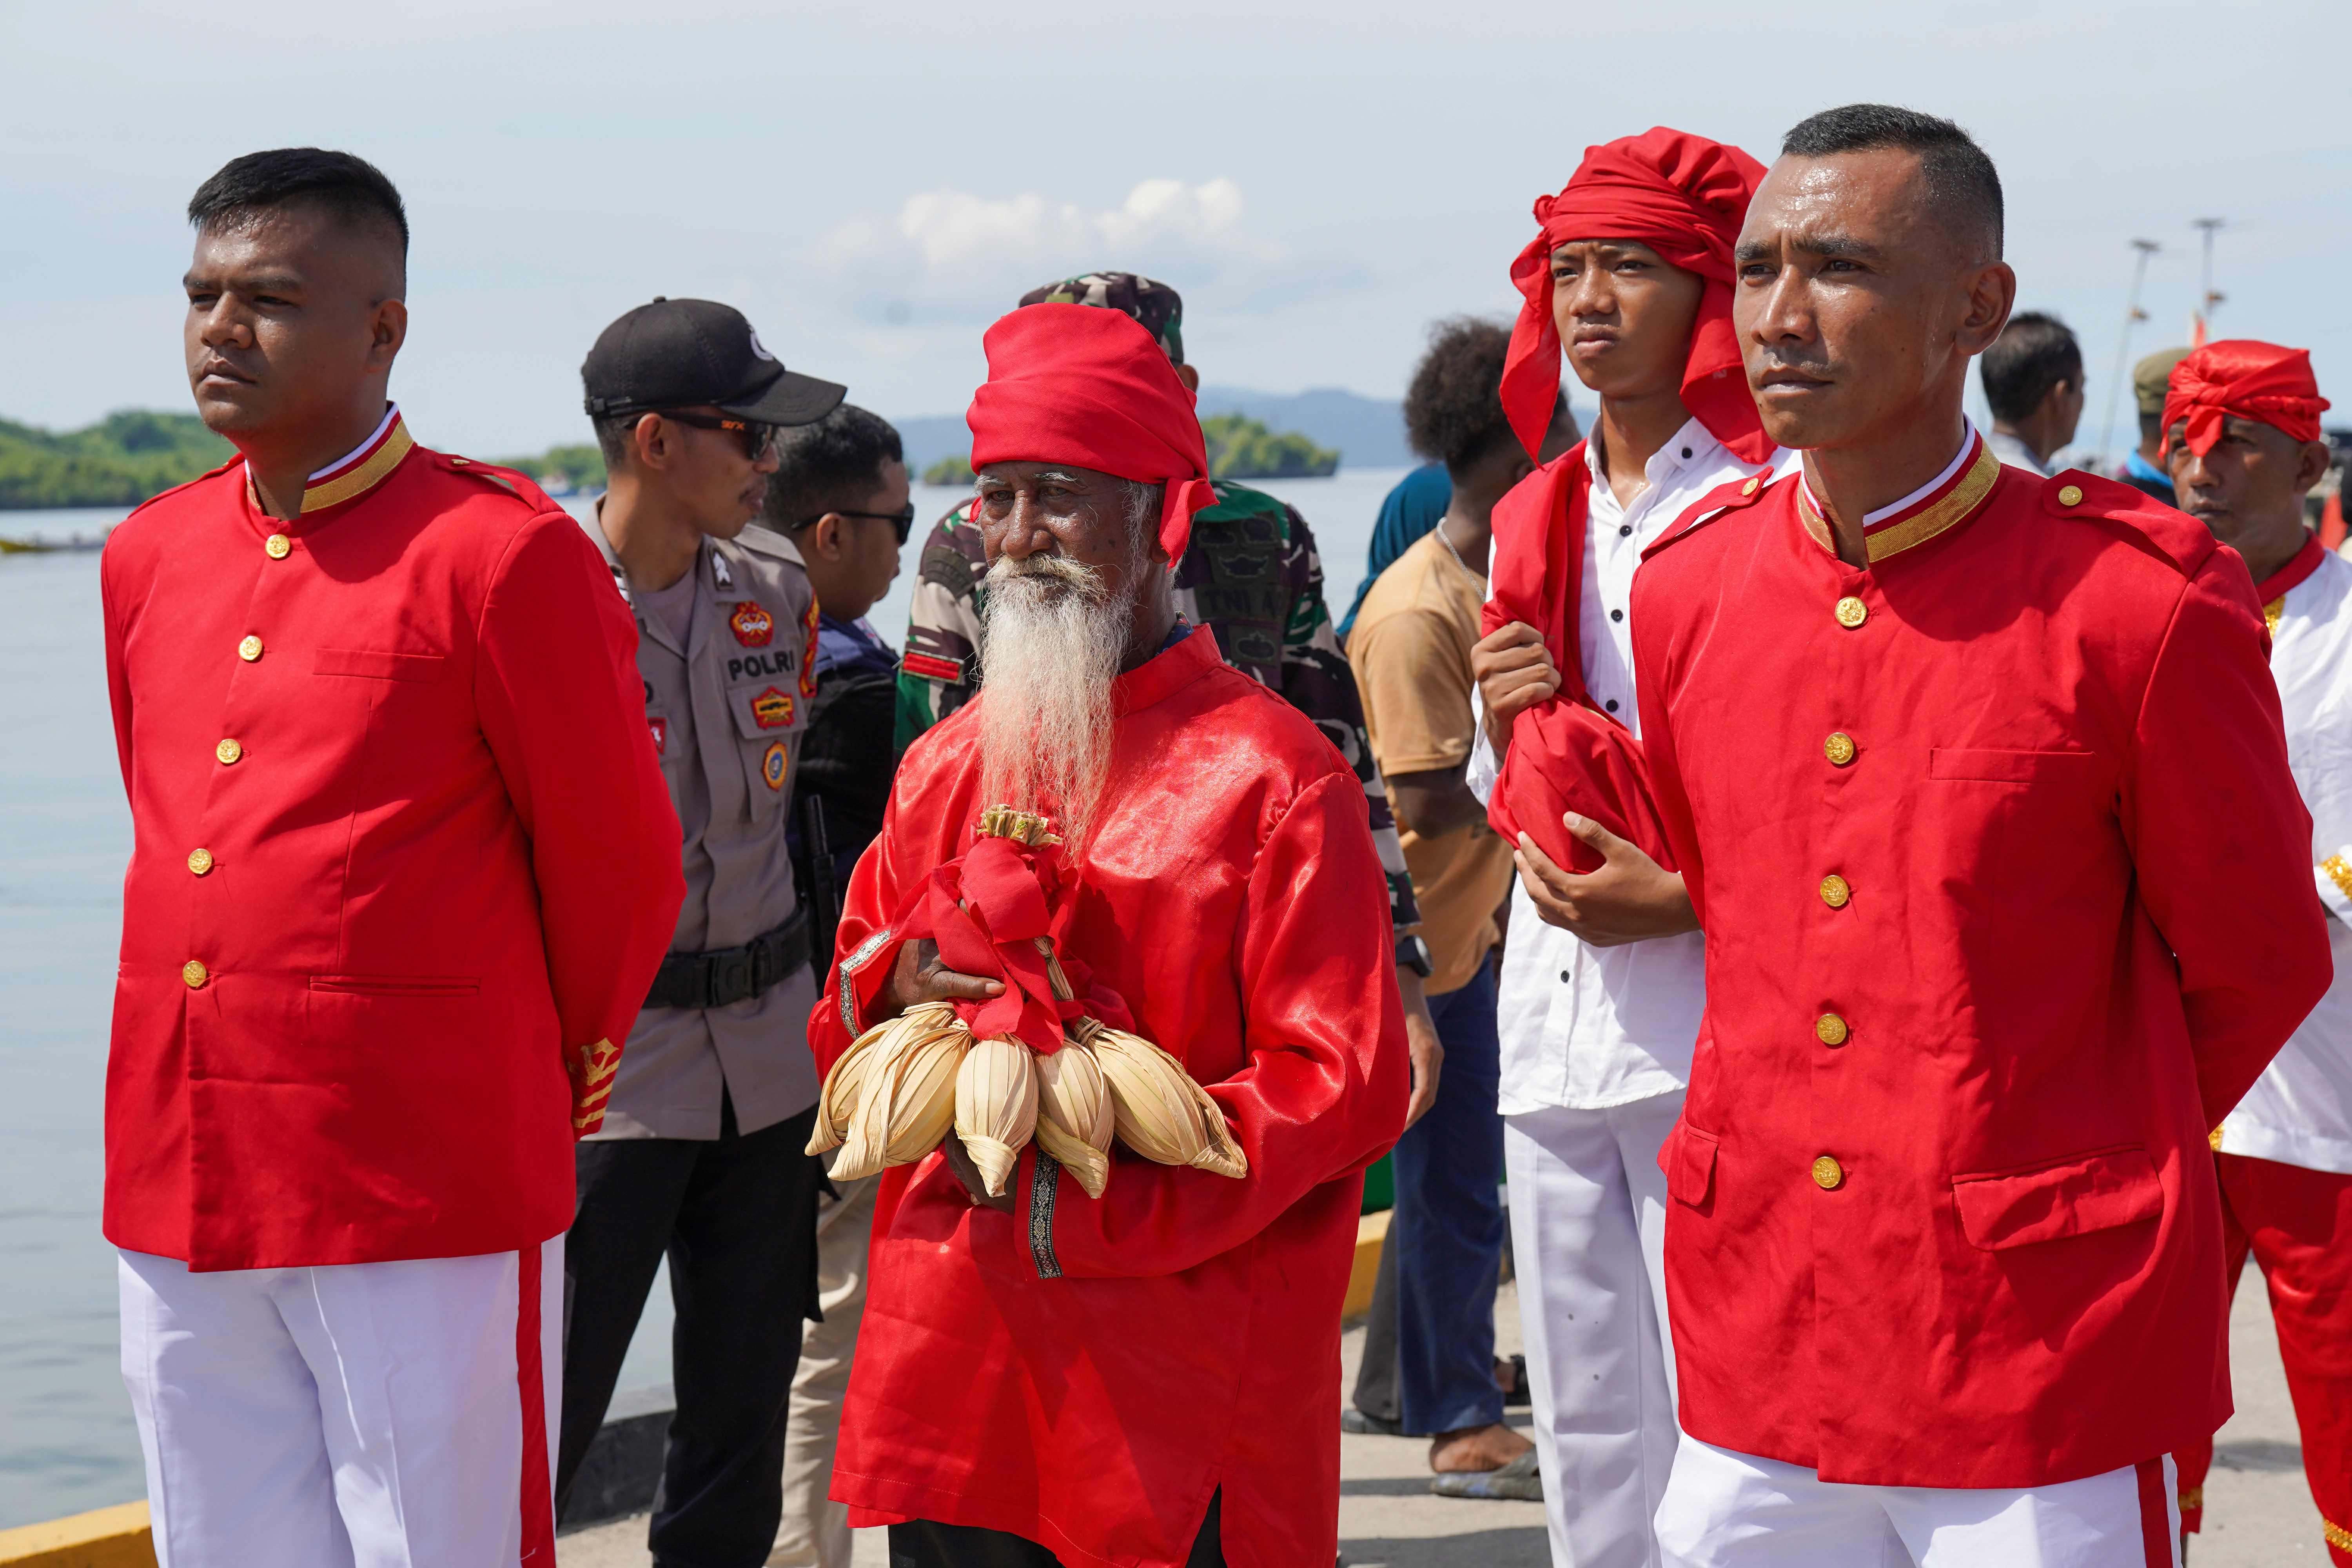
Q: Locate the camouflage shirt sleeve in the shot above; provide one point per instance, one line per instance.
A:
(1254, 577)
(940, 668)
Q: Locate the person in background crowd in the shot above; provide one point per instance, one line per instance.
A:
(2144, 468)
(2033, 384)
(840, 491)
(1147, 1376)
(703, 1155)
(2242, 441)
(1601, 984)
(1251, 575)
(402, 868)
(1410, 510)
(1411, 658)
(840, 496)
(1928, 736)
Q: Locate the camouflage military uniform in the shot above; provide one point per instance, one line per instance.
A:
(1251, 576)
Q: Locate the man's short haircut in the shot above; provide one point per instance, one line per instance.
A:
(1454, 408)
(614, 438)
(1962, 183)
(351, 190)
(2034, 353)
(831, 465)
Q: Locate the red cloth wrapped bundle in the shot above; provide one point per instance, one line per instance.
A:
(1566, 754)
(986, 909)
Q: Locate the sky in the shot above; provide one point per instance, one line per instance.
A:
(873, 184)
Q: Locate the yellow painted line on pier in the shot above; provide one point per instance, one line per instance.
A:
(105, 1538)
(1371, 1231)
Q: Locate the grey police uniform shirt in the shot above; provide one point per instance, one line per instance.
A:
(727, 713)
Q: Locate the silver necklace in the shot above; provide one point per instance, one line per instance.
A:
(1454, 552)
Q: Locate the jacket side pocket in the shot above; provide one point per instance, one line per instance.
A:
(1690, 1159)
(2073, 1197)
(397, 985)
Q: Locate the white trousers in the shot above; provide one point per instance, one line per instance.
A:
(1588, 1239)
(360, 1416)
(815, 1529)
(1734, 1510)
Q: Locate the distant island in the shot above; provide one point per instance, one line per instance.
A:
(1239, 448)
(130, 455)
(121, 460)
(561, 470)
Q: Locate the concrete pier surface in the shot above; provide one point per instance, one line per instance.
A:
(2257, 1512)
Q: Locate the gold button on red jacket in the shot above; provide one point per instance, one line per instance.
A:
(2078, 919)
(444, 864)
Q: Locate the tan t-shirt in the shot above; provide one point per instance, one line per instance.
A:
(1411, 651)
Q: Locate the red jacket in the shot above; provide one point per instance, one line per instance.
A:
(397, 856)
(1084, 1373)
(2007, 899)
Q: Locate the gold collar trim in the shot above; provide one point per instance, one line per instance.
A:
(1933, 517)
(364, 475)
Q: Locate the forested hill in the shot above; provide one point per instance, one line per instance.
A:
(119, 462)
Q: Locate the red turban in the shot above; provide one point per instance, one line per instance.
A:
(1070, 384)
(1685, 197)
(2239, 378)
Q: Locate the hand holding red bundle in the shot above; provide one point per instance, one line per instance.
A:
(1565, 754)
(1000, 1069)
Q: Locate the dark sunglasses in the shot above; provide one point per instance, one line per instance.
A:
(757, 439)
(902, 521)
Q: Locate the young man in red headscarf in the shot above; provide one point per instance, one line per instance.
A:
(1150, 1376)
(1600, 983)
(1979, 786)
(2242, 433)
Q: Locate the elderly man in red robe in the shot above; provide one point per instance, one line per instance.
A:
(1979, 786)
(1149, 1376)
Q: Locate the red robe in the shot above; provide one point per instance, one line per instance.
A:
(2073, 917)
(1085, 1374)
(437, 860)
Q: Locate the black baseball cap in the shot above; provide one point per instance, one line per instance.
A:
(675, 353)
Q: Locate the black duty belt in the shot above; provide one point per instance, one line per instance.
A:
(732, 974)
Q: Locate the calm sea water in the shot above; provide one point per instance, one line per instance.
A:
(67, 1442)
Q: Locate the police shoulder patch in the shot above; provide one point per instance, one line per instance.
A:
(775, 763)
(772, 708)
(752, 624)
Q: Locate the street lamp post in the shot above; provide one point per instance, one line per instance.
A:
(2206, 299)
(2133, 316)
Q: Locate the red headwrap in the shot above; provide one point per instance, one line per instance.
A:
(2239, 378)
(1070, 384)
(1685, 197)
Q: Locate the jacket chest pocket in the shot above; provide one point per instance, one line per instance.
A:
(405, 694)
(2026, 843)
(769, 716)
(2034, 812)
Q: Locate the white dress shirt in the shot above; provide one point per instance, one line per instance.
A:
(2299, 1113)
(2009, 449)
(1591, 1027)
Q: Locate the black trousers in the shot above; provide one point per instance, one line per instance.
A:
(921, 1543)
(738, 1220)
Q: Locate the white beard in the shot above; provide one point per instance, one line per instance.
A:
(1050, 638)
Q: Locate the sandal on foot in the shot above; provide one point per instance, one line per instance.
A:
(1517, 1481)
(1354, 1421)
